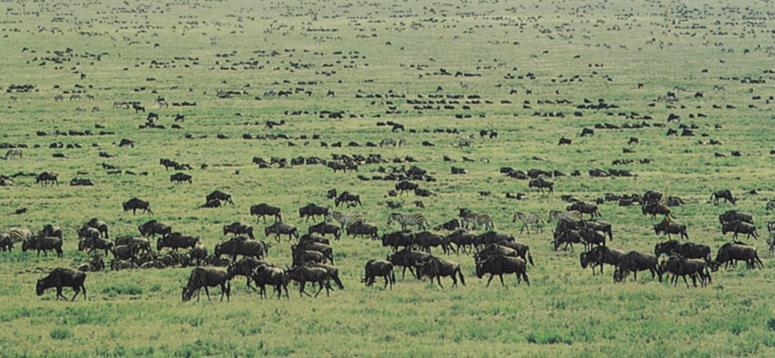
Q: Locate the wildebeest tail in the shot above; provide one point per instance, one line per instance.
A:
(530, 258)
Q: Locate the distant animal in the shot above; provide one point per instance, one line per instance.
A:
(541, 184)
(585, 208)
(238, 228)
(153, 228)
(474, 220)
(362, 229)
(406, 220)
(310, 211)
(240, 246)
(135, 204)
(60, 278)
(345, 220)
(220, 196)
(261, 211)
(177, 241)
(43, 243)
(204, 277)
(180, 178)
(279, 228)
(348, 198)
(528, 220)
(723, 194)
(668, 228)
(47, 178)
(14, 153)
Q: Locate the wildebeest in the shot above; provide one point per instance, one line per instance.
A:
(47, 178)
(324, 228)
(667, 227)
(100, 225)
(51, 231)
(688, 249)
(678, 265)
(739, 227)
(405, 185)
(425, 240)
(280, 228)
(274, 276)
(6, 243)
(733, 252)
(220, 196)
(655, 209)
(379, 268)
(43, 243)
(62, 277)
(204, 277)
(95, 243)
(180, 178)
(585, 208)
(154, 227)
(407, 259)
(135, 204)
(540, 183)
(327, 251)
(198, 254)
(499, 265)
(599, 256)
(177, 241)
(634, 261)
(723, 194)
(436, 267)
(310, 211)
(88, 233)
(261, 211)
(240, 246)
(734, 215)
(451, 225)
(237, 228)
(362, 229)
(245, 267)
(349, 198)
(463, 240)
(333, 272)
(304, 274)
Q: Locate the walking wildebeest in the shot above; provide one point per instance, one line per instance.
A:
(177, 241)
(262, 210)
(634, 261)
(324, 228)
(733, 252)
(304, 274)
(379, 268)
(688, 250)
(240, 246)
(667, 227)
(739, 227)
(436, 267)
(310, 211)
(154, 227)
(349, 199)
(499, 265)
(238, 228)
(43, 243)
(135, 204)
(280, 228)
(599, 256)
(62, 277)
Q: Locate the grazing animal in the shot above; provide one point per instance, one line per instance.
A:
(407, 259)
(135, 204)
(405, 220)
(688, 250)
(655, 209)
(95, 243)
(14, 153)
(220, 196)
(261, 211)
(181, 178)
(634, 261)
(280, 228)
(667, 227)
(404, 186)
(677, 265)
(585, 208)
(541, 184)
(100, 225)
(349, 199)
(723, 194)
(204, 277)
(43, 243)
(599, 256)
(529, 220)
(47, 178)
(274, 276)
(436, 267)
(730, 253)
(379, 268)
(499, 265)
(60, 278)
(734, 215)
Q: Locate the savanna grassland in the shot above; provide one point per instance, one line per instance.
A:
(520, 68)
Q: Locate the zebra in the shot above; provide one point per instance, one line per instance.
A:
(19, 234)
(14, 153)
(572, 215)
(388, 142)
(475, 220)
(770, 205)
(529, 220)
(345, 220)
(408, 220)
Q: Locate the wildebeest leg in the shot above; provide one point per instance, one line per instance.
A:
(687, 283)
(502, 283)
(208, 293)
(59, 293)
(77, 291)
(524, 275)
(490, 280)
(438, 279)
(84, 292)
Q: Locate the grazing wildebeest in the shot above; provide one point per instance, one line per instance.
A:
(678, 265)
(280, 228)
(62, 277)
(734, 215)
(324, 228)
(436, 267)
(240, 246)
(723, 194)
(667, 227)
(47, 178)
(177, 241)
(350, 199)
(634, 261)
(180, 178)
(688, 250)
(261, 211)
(540, 183)
(237, 228)
(407, 259)
(100, 225)
(499, 265)
(362, 229)
(304, 274)
(220, 196)
(739, 227)
(585, 208)
(379, 268)
(599, 256)
(154, 227)
(204, 277)
(310, 211)
(135, 204)
(733, 252)
(274, 276)
(43, 243)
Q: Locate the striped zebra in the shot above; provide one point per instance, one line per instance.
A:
(408, 220)
(19, 234)
(529, 220)
(345, 220)
(476, 220)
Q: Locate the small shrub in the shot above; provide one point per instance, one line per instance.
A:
(61, 333)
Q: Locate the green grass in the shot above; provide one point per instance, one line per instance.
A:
(565, 312)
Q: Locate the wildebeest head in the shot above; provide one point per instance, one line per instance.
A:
(40, 287)
(187, 293)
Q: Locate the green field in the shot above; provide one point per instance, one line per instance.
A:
(505, 66)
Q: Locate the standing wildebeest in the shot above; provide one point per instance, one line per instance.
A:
(95, 243)
(436, 267)
(677, 265)
(362, 229)
(153, 227)
(426, 239)
(245, 267)
(100, 225)
(634, 261)
(240, 246)
(204, 277)
(324, 228)
(688, 250)
(723, 194)
(667, 227)
(237, 228)
(51, 231)
(379, 268)
(333, 272)
(451, 225)
(135, 204)
(739, 227)
(733, 252)
(734, 215)
(350, 199)
(180, 178)
(599, 256)
(498, 265)
(280, 228)
(310, 211)
(304, 274)
(405, 185)
(541, 184)
(261, 211)
(177, 241)
(62, 277)
(47, 178)
(407, 259)
(274, 276)
(327, 251)
(43, 243)
(585, 208)
(463, 240)
(198, 254)
(88, 233)
(220, 196)
(6, 243)
(655, 209)
(601, 226)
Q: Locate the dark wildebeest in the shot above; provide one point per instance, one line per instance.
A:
(198, 254)
(99, 225)
(314, 238)
(462, 239)
(177, 241)
(655, 209)
(499, 265)
(436, 267)
(601, 226)
(237, 228)
(405, 185)
(310, 211)
(62, 277)
(568, 238)
(723, 194)
(379, 268)
(667, 227)
(734, 215)
(153, 227)
(88, 233)
(523, 250)
(733, 252)
(240, 246)
(6, 243)
(599, 256)
(425, 240)
(451, 225)
(333, 272)
(95, 243)
(280, 228)
(324, 228)
(397, 239)
(634, 261)
(541, 184)
(327, 251)
(304, 274)
(220, 196)
(584, 208)
(362, 229)
(135, 204)
(688, 250)
(204, 277)
(245, 267)
(124, 252)
(261, 211)
(51, 231)
(739, 227)
(407, 259)
(137, 243)
(274, 276)
(677, 265)
(43, 243)
(350, 199)
(47, 178)
(180, 178)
